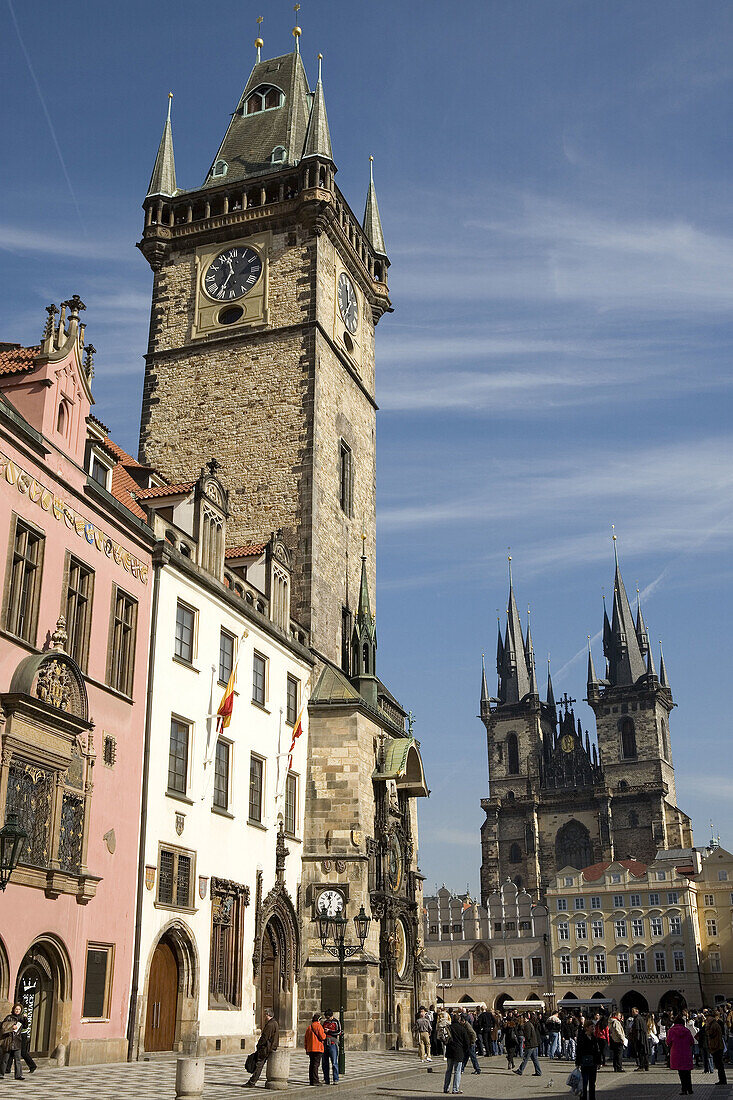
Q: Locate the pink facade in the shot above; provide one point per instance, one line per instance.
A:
(74, 632)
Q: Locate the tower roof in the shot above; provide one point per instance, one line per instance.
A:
(163, 179)
(318, 137)
(484, 685)
(372, 222)
(252, 139)
(620, 640)
(514, 673)
(550, 690)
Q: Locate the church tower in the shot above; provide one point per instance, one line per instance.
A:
(266, 293)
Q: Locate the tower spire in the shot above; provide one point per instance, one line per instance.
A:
(317, 136)
(364, 639)
(372, 224)
(529, 654)
(163, 179)
(620, 641)
(258, 40)
(550, 692)
(296, 30)
(514, 673)
(663, 679)
(484, 685)
(641, 630)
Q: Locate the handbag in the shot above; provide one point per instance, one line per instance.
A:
(250, 1062)
(575, 1082)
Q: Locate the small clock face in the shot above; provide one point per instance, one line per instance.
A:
(395, 864)
(232, 273)
(348, 305)
(567, 743)
(330, 902)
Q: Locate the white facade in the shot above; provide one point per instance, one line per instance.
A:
(209, 863)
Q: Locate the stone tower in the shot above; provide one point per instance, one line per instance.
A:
(266, 293)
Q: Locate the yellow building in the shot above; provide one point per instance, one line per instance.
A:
(715, 907)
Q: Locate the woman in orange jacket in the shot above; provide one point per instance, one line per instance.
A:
(313, 1043)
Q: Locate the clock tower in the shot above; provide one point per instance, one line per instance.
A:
(266, 293)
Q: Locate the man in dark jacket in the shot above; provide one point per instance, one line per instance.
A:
(268, 1042)
(716, 1045)
(483, 1025)
(639, 1039)
(531, 1043)
(456, 1051)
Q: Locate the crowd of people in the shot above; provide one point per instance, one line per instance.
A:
(588, 1038)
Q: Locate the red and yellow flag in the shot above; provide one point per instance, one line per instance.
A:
(226, 706)
(296, 734)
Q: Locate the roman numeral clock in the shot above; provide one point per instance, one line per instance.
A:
(231, 286)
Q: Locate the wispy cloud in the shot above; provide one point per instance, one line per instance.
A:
(22, 240)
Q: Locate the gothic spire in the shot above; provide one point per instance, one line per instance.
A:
(620, 642)
(650, 669)
(641, 630)
(529, 656)
(663, 680)
(484, 685)
(163, 179)
(317, 136)
(592, 678)
(550, 692)
(372, 222)
(514, 675)
(364, 640)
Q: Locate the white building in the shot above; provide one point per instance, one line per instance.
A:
(217, 932)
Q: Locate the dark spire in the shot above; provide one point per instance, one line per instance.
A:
(663, 680)
(364, 641)
(163, 179)
(318, 137)
(641, 631)
(372, 222)
(592, 683)
(484, 686)
(621, 644)
(550, 692)
(514, 677)
(650, 669)
(529, 657)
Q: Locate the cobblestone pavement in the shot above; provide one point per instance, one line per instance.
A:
(389, 1076)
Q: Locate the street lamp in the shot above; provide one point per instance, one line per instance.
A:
(335, 928)
(12, 836)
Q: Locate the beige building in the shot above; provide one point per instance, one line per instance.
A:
(488, 955)
(715, 914)
(627, 932)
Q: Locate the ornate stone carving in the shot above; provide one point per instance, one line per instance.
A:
(54, 685)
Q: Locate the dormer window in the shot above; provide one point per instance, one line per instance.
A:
(99, 471)
(264, 98)
(220, 168)
(278, 154)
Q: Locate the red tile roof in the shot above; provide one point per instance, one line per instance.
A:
(595, 871)
(165, 490)
(16, 360)
(245, 551)
(124, 487)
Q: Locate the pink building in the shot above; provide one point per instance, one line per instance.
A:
(74, 631)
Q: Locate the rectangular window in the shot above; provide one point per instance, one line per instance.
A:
(463, 968)
(346, 640)
(637, 929)
(679, 961)
(98, 981)
(563, 930)
(618, 901)
(509, 926)
(346, 478)
(100, 473)
(709, 899)
(600, 963)
(292, 701)
(722, 876)
(581, 930)
(445, 971)
(583, 964)
(256, 769)
(291, 804)
(221, 775)
(661, 876)
(185, 632)
(226, 655)
(623, 963)
(497, 926)
(175, 877)
(562, 905)
(731, 899)
(654, 899)
(21, 612)
(525, 926)
(446, 929)
(517, 968)
(597, 929)
(660, 962)
(714, 958)
(178, 756)
(79, 588)
(259, 679)
(567, 881)
(499, 968)
(433, 930)
(673, 898)
(579, 903)
(122, 642)
(635, 901)
(675, 926)
(595, 903)
(640, 962)
(564, 964)
(656, 926)
(226, 949)
(536, 962)
(457, 928)
(619, 928)
(712, 927)
(615, 878)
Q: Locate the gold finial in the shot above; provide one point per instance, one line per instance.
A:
(296, 30)
(259, 43)
(320, 61)
(613, 528)
(170, 101)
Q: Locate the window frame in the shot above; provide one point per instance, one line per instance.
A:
(186, 607)
(257, 656)
(185, 724)
(176, 852)
(445, 970)
(13, 600)
(122, 678)
(289, 681)
(224, 633)
(109, 950)
(346, 478)
(79, 650)
(463, 966)
(565, 965)
(294, 779)
(253, 756)
(583, 963)
(222, 807)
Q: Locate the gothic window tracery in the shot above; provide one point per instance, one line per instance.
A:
(515, 854)
(264, 98)
(573, 846)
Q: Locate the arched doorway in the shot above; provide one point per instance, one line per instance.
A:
(271, 979)
(43, 987)
(500, 1001)
(162, 1005)
(672, 1001)
(633, 999)
(276, 958)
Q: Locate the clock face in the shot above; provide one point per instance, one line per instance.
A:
(395, 864)
(330, 902)
(348, 305)
(232, 273)
(567, 743)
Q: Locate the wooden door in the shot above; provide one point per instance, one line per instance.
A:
(270, 979)
(160, 1022)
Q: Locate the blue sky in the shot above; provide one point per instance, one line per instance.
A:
(554, 182)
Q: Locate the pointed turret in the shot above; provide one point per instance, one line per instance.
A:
(529, 657)
(641, 631)
(372, 224)
(514, 674)
(364, 643)
(663, 680)
(550, 691)
(163, 179)
(592, 684)
(650, 669)
(620, 642)
(317, 136)
(484, 686)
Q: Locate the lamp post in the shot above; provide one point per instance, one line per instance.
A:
(335, 928)
(12, 836)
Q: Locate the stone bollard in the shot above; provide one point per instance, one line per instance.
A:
(190, 1078)
(278, 1069)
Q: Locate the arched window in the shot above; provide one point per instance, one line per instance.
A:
(633, 819)
(278, 154)
(61, 419)
(518, 882)
(573, 847)
(628, 739)
(220, 168)
(264, 98)
(365, 653)
(512, 752)
(515, 854)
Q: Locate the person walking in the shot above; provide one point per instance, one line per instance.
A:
(25, 1041)
(472, 1048)
(483, 1025)
(601, 1033)
(554, 1027)
(511, 1041)
(616, 1041)
(588, 1055)
(267, 1043)
(639, 1038)
(681, 1044)
(456, 1050)
(11, 1042)
(313, 1041)
(716, 1045)
(531, 1045)
(422, 1031)
(332, 1030)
